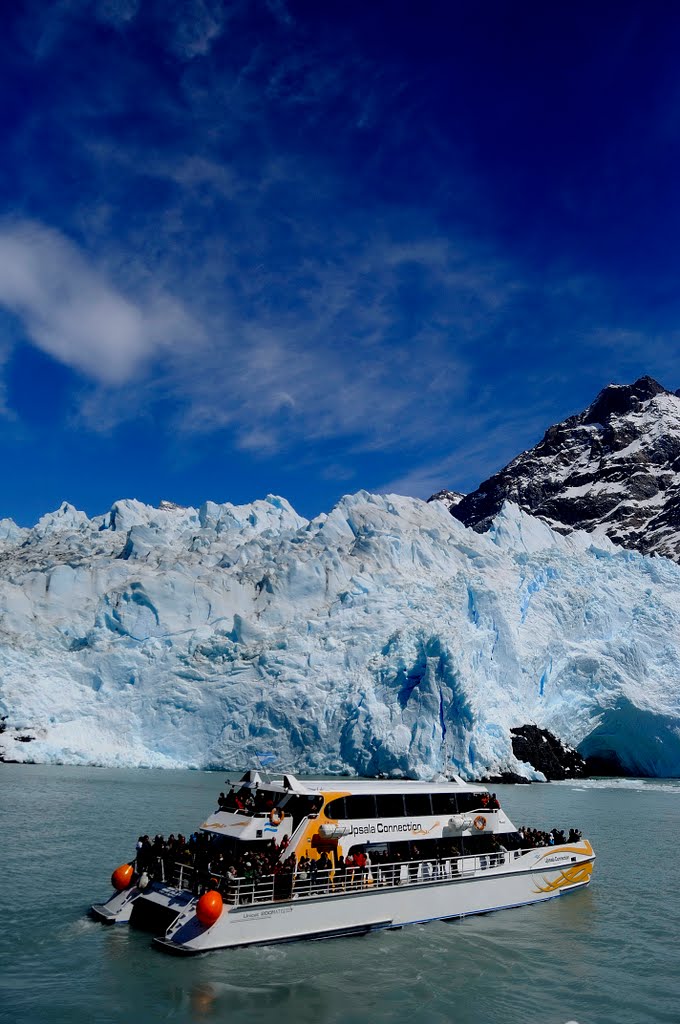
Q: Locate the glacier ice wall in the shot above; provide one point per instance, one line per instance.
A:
(381, 637)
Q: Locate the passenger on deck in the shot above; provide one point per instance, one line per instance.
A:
(388, 870)
(413, 868)
(361, 862)
(340, 877)
(323, 872)
(145, 855)
(302, 877)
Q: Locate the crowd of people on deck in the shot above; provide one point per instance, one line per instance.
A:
(263, 801)
(555, 837)
(246, 801)
(490, 802)
(263, 873)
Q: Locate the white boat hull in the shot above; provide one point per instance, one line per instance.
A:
(536, 876)
(118, 909)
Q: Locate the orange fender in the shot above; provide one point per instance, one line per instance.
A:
(122, 877)
(209, 907)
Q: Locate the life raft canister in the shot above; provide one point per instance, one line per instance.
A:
(276, 816)
(480, 822)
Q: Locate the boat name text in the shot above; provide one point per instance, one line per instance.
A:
(258, 914)
(381, 827)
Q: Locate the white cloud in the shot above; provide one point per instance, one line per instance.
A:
(72, 312)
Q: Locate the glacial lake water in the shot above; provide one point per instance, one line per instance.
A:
(609, 955)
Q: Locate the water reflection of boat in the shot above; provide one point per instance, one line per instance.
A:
(343, 857)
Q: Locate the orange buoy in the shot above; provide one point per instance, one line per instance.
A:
(122, 876)
(209, 907)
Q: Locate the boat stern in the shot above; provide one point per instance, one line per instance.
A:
(117, 909)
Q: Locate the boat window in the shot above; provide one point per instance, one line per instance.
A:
(336, 809)
(417, 804)
(390, 805)
(470, 802)
(444, 803)
(361, 805)
(297, 806)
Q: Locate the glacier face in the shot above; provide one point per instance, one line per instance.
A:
(384, 636)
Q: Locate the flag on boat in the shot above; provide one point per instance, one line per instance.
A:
(265, 757)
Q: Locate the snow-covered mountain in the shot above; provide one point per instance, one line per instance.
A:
(382, 637)
(449, 498)
(613, 469)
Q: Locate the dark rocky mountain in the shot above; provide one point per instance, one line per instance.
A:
(613, 469)
(450, 498)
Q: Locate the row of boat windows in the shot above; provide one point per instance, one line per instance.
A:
(399, 805)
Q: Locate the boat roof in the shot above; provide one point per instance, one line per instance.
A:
(390, 786)
(340, 785)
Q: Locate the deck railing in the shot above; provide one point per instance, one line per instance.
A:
(238, 890)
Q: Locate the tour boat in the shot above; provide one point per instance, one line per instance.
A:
(344, 857)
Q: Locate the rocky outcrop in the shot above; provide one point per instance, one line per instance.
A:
(448, 498)
(546, 753)
(613, 469)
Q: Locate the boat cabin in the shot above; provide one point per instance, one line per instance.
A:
(400, 818)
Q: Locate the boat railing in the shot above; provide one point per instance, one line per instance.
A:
(238, 890)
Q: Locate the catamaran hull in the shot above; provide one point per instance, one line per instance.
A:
(374, 907)
(117, 910)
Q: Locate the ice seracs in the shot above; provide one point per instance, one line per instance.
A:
(382, 637)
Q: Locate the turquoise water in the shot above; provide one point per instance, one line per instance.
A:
(608, 955)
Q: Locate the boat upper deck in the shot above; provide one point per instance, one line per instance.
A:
(377, 786)
(350, 786)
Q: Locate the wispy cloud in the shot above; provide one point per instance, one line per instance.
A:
(73, 313)
(335, 362)
(486, 439)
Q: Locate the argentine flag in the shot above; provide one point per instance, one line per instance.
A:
(265, 757)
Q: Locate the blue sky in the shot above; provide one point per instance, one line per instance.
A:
(305, 248)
